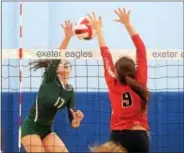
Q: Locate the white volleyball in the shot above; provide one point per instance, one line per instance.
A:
(83, 30)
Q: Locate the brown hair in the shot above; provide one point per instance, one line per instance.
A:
(37, 64)
(108, 147)
(125, 69)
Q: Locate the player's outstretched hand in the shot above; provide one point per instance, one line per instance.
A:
(67, 27)
(123, 16)
(77, 118)
(95, 22)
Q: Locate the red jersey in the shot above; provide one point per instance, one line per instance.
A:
(125, 103)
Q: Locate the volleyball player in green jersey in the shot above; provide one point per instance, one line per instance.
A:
(54, 94)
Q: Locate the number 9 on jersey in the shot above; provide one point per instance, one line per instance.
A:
(126, 99)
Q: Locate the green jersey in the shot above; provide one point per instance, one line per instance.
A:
(52, 96)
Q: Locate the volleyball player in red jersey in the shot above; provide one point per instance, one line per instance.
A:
(127, 89)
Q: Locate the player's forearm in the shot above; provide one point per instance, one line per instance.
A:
(141, 71)
(139, 44)
(106, 55)
(101, 39)
(70, 116)
(131, 30)
(64, 43)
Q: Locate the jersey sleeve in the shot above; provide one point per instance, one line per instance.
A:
(71, 105)
(50, 73)
(141, 60)
(108, 66)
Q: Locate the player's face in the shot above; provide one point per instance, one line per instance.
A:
(64, 68)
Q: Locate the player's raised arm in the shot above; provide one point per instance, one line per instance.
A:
(141, 70)
(106, 55)
(68, 34)
(53, 65)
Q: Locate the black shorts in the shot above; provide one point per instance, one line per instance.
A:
(132, 140)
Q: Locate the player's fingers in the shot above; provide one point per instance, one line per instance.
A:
(62, 26)
(68, 23)
(120, 11)
(124, 11)
(128, 14)
(76, 124)
(118, 14)
(94, 15)
(100, 19)
(75, 117)
(71, 25)
(75, 114)
(78, 112)
(65, 23)
(117, 20)
(80, 116)
(90, 17)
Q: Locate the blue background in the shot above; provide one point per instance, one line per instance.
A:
(166, 117)
(161, 27)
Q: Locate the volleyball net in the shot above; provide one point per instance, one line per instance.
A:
(165, 81)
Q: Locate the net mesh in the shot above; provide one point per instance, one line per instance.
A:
(165, 110)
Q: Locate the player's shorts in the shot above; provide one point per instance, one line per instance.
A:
(132, 140)
(30, 127)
